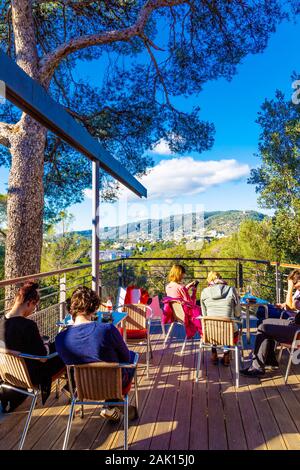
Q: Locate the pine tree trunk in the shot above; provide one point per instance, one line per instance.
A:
(25, 190)
(26, 201)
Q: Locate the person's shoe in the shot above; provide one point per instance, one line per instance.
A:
(132, 413)
(214, 358)
(252, 372)
(112, 414)
(272, 364)
(226, 359)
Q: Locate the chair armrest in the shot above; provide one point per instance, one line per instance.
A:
(131, 365)
(38, 358)
(150, 316)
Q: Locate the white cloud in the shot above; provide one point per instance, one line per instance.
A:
(186, 176)
(162, 148)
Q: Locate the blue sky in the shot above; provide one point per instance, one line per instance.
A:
(215, 180)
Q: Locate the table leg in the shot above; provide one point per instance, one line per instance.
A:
(248, 324)
(124, 330)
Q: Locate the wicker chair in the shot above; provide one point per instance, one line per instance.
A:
(292, 348)
(15, 376)
(138, 323)
(96, 384)
(179, 320)
(219, 332)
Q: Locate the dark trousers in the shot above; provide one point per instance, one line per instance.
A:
(268, 332)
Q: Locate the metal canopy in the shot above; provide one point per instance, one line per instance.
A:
(32, 98)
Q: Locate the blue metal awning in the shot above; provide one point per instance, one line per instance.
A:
(32, 98)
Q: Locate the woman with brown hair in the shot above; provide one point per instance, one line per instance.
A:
(20, 333)
(90, 341)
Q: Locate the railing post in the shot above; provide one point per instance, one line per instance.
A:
(278, 282)
(120, 275)
(239, 275)
(123, 273)
(62, 296)
(95, 228)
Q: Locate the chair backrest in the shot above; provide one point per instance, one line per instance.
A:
(178, 311)
(120, 298)
(136, 316)
(155, 306)
(47, 319)
(103, 308)
(98, 381)
(13, 369)
(218, 331)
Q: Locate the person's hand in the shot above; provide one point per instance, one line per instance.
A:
(282, 306)
(190, 284)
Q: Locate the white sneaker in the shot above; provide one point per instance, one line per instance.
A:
(113, 414)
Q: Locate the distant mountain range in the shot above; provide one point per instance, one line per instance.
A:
(215, 224)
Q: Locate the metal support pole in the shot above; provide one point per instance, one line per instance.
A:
(123, 273)
(278, 283)
(95, 228)
(62, 297)
(239, 276)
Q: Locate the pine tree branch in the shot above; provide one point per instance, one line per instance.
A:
(51, 60)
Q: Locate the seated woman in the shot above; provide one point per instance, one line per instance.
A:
(274, 329)
(220, 299)
(176, 290)
(19, 333)
(88, 341)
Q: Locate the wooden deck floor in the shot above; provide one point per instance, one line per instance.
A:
(175, 412)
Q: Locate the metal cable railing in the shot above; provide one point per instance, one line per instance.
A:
(267, 280)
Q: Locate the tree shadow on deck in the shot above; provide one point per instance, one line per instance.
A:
(176, 412)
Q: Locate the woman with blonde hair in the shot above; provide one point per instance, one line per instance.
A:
(177, 291)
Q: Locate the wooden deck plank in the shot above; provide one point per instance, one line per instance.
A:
(154, 413)
(284, 406)
(234, 426)
(144, 428)
(163, 427)
(271, 431)
(12, 426)
(251, 423)
(199, 411)
(181, 421)
(216, 420)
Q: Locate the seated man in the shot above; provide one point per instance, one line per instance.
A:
(87, 341)
(220, 299)
(273, 329)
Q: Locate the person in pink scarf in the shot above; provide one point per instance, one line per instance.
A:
(176, 290)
